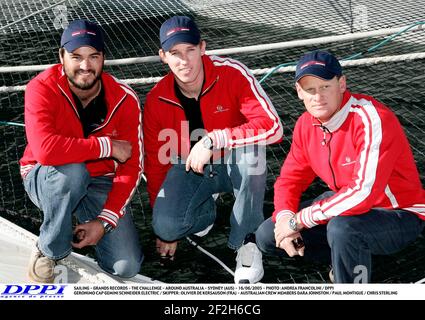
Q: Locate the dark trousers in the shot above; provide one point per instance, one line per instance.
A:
(348, 242)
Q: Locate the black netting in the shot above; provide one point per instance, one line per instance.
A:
(132, 31)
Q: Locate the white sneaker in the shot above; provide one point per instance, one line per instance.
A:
(249, 264)
(204, 232)
(331, 275)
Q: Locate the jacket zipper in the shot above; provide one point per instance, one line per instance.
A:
(201, 94)
(328, 143)
(114, 109)
(209, 88)
(171, 102)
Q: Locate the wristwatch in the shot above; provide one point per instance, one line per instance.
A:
(293, 223)
(106, 226)
(207, 143)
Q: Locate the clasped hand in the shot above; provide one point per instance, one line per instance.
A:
(285, 237)
(198, 158)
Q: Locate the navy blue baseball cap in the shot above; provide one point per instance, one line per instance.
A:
(178, 29)
(80, 33)
(320, 64)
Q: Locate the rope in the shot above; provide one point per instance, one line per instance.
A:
(290, 67)
(418, 26)
(354, 56)
(267, 71)
(6, 89)
(221, 263)
(149, 80)
(321, 40)
(375, 47)
(8, 123)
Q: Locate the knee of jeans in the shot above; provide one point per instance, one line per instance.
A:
(252, 173)
(341, 230)
(166, 229)
(264, 236)
(127, 268)
(73, 177)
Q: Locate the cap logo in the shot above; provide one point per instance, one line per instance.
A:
(314, 62)
(77, 33)
(177, 30)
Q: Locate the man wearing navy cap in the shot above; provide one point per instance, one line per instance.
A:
(206, 108)
(83, 157)
(356, 145)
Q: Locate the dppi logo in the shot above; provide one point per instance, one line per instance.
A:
(15, 291)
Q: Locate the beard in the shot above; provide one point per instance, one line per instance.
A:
(82, 85)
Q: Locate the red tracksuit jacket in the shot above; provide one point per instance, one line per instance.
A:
(55, 135)
(363, 155)
(233, 106)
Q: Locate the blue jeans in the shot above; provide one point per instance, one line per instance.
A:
(67, 190)
(185, 203)
(350, 241)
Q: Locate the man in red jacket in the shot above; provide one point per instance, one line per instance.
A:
(83, 158)
(206, 105)
(356, 145)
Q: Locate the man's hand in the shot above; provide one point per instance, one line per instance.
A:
(198, 157)
(121, 150)
(288, 245)
(282, 230)
(88, 234)
(166, 250)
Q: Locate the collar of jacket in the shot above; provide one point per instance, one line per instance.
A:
(211, 78)
(114, 94)
(338, 118)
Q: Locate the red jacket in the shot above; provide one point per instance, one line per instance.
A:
(233, 105)
(55, 135)
(363, 155)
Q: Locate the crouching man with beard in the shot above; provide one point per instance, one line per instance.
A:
(83, 157)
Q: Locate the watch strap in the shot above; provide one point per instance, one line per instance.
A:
(106, 226)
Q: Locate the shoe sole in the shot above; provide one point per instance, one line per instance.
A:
(246, 281)
(35, 279)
